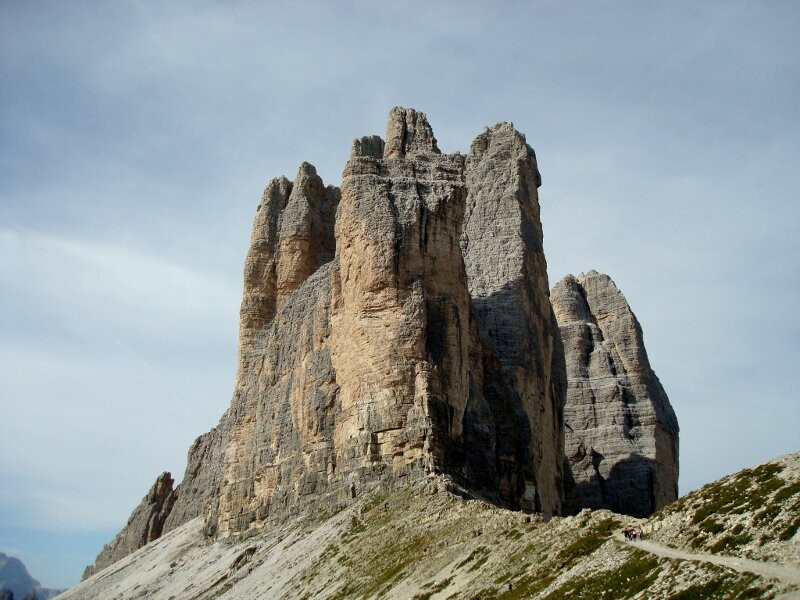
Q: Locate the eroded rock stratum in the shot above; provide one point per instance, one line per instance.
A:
(395, 328)
(621, 431)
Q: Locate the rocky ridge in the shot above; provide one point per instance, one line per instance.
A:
(621, 437)
(145, 524)
(394, 329)
(422, 542)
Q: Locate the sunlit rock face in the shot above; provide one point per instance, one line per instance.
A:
(621, 431)
(382, 365)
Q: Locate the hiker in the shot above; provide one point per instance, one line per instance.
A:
(630, 534)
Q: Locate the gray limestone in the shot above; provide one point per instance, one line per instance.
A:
(507, 272)
(621, 431)
(145, 524)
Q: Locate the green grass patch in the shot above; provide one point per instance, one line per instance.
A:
(478, 563)
(522, 587)
(588, 543)
(513, 534)
(374, 502)
(434, 589)
(478, 552)
(729, 587)
(632, 577)
(752, 490)
(731, 542)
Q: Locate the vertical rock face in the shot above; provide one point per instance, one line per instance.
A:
(408, 134)
(145, 524)
(507, 272)
(400, 314)
(621, 431)
(363, 370)
(292, 236)
(394, 329)
(198, 492)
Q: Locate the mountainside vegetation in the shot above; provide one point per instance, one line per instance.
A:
(425, 542)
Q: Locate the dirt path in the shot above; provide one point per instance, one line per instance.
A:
(784, 573)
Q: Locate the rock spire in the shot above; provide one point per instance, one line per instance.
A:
(621, 432)
(393, 329)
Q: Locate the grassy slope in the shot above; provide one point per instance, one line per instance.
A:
(754, 513)
(423, 543)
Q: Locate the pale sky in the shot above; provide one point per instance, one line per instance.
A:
(136, 139)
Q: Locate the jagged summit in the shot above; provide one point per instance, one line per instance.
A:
(408, 134)
(395, 330)
(621, 432)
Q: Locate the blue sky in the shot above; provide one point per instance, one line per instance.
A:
(136, 138)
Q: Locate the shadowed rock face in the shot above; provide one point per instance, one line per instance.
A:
(507, 272)
(145, 524)
(621, 432)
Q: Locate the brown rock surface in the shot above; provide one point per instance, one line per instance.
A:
(363, 369)
(145, 524)
(292, 236)
(621, 431)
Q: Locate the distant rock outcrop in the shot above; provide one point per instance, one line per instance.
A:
(621, 432)
(16, 582)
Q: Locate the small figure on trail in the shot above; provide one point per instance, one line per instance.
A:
(353, 490)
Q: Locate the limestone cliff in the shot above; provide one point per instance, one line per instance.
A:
(507, 271)
(372, 369)
(621, 432)
(145, 524)
(394, 329)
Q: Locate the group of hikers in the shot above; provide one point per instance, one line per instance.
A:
(632, 534)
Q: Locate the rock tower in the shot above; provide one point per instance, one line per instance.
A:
(621, 432)
(395, 328)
